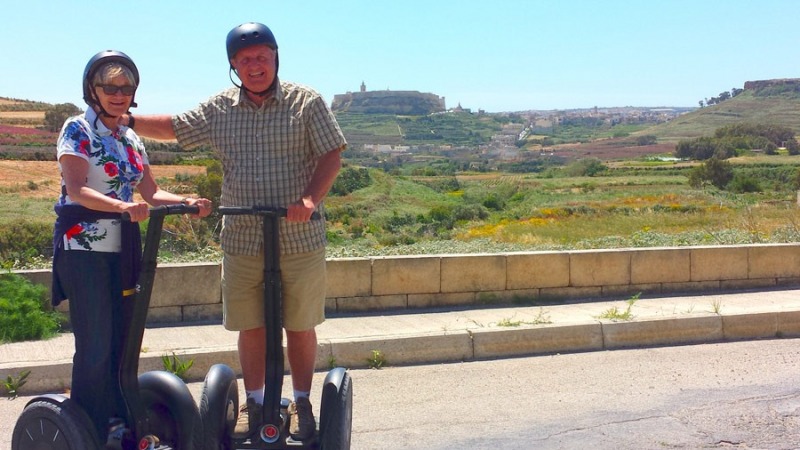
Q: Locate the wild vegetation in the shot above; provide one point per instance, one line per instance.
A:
(462, 201)
(24, 310)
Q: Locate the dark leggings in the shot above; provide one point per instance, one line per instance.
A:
(99, 316)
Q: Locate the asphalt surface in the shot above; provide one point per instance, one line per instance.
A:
(741, 395)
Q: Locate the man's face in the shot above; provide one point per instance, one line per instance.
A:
(255, 66)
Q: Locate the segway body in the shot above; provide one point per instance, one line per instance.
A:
(161, 414)
(335, 419)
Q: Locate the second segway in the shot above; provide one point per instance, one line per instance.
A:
(219, 400)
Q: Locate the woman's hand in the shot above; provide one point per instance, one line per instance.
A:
(138, 211)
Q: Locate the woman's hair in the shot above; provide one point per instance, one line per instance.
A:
(107, 72)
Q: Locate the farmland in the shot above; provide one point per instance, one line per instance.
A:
(600, 188)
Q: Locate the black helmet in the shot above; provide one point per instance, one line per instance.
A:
(105, 57)
(248, 34)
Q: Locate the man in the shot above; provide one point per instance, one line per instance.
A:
(280, 146)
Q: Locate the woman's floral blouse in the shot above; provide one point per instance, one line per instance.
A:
(116, 165)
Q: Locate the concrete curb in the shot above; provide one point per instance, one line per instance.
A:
(474, 344)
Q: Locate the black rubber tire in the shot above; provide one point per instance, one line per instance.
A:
(219, 406)
(54, 423)
(172, 413)
(336, 411)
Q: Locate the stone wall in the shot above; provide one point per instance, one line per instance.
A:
(191, 292)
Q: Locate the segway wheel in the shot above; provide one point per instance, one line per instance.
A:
(336, 410)
(219, 404)
(172, 414)
(54, 423)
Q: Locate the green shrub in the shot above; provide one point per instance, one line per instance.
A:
(744, 183)
(350, 179)
(22, 241)
(24, 310)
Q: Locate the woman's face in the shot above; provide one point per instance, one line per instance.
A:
(115, 96)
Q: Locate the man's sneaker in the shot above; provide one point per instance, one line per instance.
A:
(249, 419)
(301, 420)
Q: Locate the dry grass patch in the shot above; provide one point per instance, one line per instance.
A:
(41, 179)
(34, 115)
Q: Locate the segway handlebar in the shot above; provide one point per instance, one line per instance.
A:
(165, 210)
(260, 211)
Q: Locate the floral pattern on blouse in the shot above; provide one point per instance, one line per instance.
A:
(116, 166)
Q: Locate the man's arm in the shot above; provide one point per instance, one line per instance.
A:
(151, 126)
(321, 182)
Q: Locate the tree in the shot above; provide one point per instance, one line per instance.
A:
(55, 117)
(586, 167)
(718, 172)
(647, 139)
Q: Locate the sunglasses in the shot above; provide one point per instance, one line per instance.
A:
(110, 89)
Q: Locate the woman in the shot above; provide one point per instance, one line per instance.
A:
(96, 255)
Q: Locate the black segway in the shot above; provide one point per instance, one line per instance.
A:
(161, 413)
(219, 401)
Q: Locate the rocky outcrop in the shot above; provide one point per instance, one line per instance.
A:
(763, 84)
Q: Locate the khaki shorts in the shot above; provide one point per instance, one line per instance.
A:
(303, 282)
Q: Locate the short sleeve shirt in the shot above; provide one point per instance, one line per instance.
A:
(116, 166)
(268, 154)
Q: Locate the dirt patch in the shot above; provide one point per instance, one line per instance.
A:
(41, 179)
(8, 101)
(35, 115)
(609, 150)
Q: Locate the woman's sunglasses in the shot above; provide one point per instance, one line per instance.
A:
(110, 89)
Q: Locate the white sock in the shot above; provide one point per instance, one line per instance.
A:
(257, 395)
(299, 394)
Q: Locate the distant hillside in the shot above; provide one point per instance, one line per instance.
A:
(775, 102)
(450, 128)
(22, 113)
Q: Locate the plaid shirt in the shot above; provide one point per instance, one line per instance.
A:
(268, 154)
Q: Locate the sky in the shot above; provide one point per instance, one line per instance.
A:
(502, 55)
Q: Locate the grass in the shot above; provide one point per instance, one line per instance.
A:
(615, 314)
(540, 319)
(176, 366)
(377, 360)
(623, 208)
(12, 384)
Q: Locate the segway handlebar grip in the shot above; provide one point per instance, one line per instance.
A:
(165, 210)
(260, 211)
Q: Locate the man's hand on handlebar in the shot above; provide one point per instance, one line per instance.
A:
(301, 211)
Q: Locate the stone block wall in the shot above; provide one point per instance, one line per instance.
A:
(192, 292)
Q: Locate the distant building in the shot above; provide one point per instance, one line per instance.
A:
(388, 102)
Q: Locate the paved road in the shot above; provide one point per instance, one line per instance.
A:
(726, 395)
